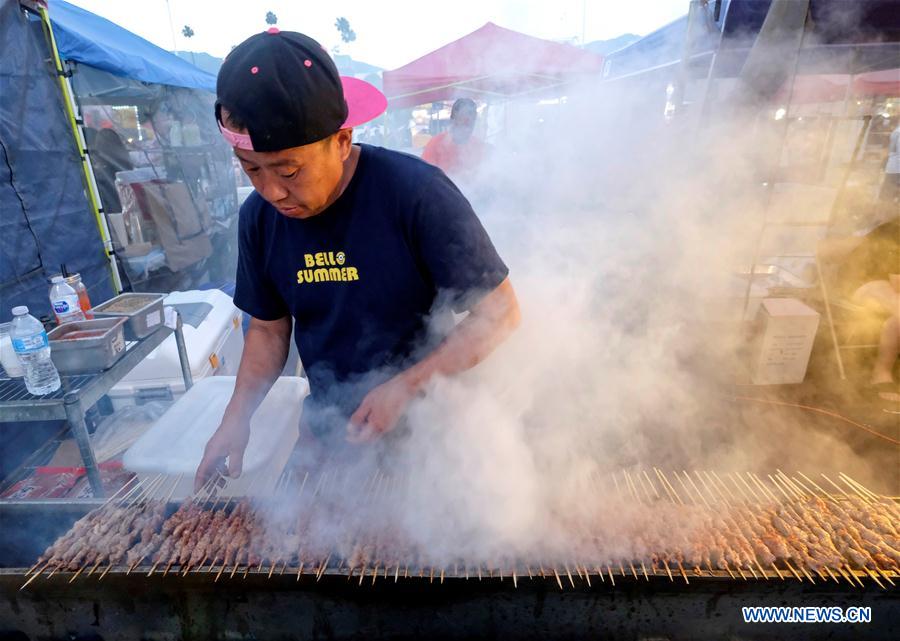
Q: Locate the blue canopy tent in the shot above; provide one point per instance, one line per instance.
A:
(47, 218)
(84, 37)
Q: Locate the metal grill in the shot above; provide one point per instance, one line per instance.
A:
(746, 529)
(13, 390)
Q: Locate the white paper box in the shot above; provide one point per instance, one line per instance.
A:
(174, 445)
(781, 353)
(214, 349)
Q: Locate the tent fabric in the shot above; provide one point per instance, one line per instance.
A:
(833, 87)
(89, 39)
(45, 218)
(878, 83)
(490, 62)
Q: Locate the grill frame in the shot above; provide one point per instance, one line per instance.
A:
(122, 606)
(135, 606)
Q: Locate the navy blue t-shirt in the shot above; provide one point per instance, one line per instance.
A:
(361, 278)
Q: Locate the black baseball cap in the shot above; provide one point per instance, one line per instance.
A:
(284, 89)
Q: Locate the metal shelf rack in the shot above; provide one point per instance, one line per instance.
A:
(78, 393)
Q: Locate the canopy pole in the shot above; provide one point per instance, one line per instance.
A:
(78, 135)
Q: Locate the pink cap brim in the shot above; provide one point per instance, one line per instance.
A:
(364, 101)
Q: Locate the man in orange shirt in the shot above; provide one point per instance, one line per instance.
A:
(456, 150)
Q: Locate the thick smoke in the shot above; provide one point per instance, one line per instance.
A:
(623, 234)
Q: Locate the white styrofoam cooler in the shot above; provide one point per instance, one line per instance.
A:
(174, 445)
(214, 349)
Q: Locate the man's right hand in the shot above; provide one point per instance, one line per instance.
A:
(229, 442)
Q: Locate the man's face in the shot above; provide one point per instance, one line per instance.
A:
(462, 125)
(302, 181)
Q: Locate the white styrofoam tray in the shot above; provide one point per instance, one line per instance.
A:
(174, 445)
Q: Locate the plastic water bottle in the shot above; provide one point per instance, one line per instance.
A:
(33, 351)
(64, 301)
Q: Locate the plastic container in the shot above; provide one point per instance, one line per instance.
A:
(64, 302)
(87, 346)
(214, 348)
(174, 445)
(143, 311)
(33, 351)
(84, 301)
(8, 358)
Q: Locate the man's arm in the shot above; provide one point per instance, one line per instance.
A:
(489, 323)
(265, 352)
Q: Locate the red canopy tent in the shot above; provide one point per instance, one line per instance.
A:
(833, 87)
(491, 62)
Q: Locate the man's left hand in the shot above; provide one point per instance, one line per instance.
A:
(380, 410)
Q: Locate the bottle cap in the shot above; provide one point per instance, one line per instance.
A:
(56, 279)
(21, 310)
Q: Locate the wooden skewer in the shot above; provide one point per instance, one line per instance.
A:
(647, 476)
(853, 575)
(670, 493)
(836, 486)
(874, 578)
(77, 574)
(667, 484)
(759, 567)
(817, 486)
(874, 498)
(794, 490)
(724, 487)
(668, 571)
(762, 487)
(32, 568)
(711, 489)
(683, 574)
(32, 578)
(611, 579)
(848, 579)
(322, 569)
(686, 491)
(728, 569)
(750, 489)
(696, 489)
(106, 571)
(558, 580)
(793, 570)
(96, 565)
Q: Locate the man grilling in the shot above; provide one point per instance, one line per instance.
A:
(358, 245)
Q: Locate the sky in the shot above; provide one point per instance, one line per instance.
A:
(389, 33)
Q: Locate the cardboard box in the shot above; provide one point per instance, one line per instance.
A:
(781, 351)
